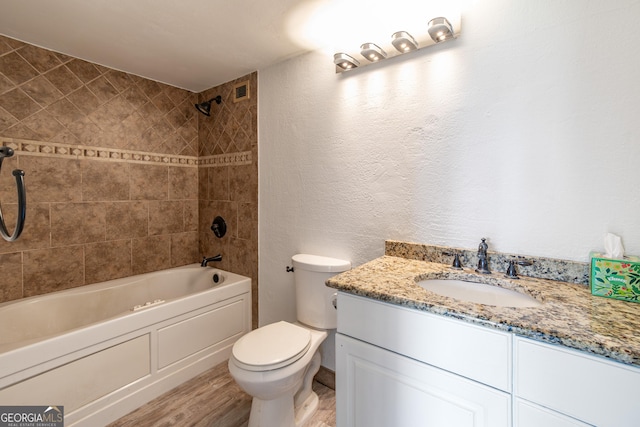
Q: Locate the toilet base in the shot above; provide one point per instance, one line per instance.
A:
(279, 412)
(287, 410)
(307, 409)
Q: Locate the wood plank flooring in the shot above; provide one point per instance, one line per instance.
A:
(212, 399)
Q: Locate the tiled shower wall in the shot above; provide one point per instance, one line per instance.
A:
(111, 163)
(228, 179)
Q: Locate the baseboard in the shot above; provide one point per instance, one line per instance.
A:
(326, 377)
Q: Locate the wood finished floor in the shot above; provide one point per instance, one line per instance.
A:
(212, 399)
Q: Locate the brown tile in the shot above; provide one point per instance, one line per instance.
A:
(16, 68)
(51, 179)
(104, 180)
(66, 137)
(184, 249)
(135, 97)
(5, 84)
(20, 131)
(151, 254)
(63, 79)
(18, 104)
(149, 182)
(4, 46)
(74, 223)
(149, 87)
(44, 125)
(10, 276)
(109, 116)
(6, 120)
(107, 260)
(247, 221)
(15, 44)
(127, 220)
(243, 183)
(55, 269)
(42, 60)
(65, 112)
(183, 182)
(121, 81)
(189, 131)
(190, 215)
(203, 183)
(219, 183)
(243, 257)
(166, 217)
(37, 230)
(84, 70)
(42, 91)
(102, 89)
(84, 99)
(86, 131)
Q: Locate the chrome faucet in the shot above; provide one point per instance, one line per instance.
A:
(205, 261)
(483, 259)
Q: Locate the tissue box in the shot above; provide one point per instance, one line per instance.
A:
(615, 278)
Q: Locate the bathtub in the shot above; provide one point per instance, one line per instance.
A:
(103, 350)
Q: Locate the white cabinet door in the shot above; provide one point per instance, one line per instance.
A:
(379, 388)
(526, 414)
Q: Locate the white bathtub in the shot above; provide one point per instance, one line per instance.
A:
(103, 350)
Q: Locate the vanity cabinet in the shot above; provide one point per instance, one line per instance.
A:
(401, 367)
(397, 366)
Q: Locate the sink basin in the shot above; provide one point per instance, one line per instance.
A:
(479, 293)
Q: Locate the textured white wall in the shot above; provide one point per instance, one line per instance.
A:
(525, 130)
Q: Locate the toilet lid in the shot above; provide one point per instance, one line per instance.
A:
(271, 347)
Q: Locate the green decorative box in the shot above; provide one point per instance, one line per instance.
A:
(615, 278)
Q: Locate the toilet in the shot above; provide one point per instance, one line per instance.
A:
(276, 363)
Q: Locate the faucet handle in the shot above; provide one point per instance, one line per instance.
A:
(456, 265)
(511, 269)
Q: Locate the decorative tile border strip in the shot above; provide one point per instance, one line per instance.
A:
(231, 159)
(69, 151)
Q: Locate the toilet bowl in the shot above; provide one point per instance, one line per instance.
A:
(276, 363)
(280, 383)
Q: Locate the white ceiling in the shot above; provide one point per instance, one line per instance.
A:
(191, 44)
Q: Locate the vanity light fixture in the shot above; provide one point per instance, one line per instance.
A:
(411, 39)
(372, 52)
(345, 62)
(440, 29)
(403, 41)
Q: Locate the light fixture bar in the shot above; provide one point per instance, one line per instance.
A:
(440, 29)
(345, 62)
(403, 42)
(372, 52)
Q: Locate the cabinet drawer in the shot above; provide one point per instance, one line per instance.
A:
(526, 414)
(478, 353)
(589, 388)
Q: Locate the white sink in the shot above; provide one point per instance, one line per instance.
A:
(479, 293)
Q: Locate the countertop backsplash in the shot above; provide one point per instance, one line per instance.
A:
(542, 268)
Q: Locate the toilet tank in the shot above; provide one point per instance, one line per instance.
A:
(314, 300)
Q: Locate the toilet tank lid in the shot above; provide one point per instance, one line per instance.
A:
(320, 263)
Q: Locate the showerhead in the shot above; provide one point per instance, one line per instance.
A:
(205, 106)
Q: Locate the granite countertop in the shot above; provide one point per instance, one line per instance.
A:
(569, 315)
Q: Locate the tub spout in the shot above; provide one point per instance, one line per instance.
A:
(205, 260)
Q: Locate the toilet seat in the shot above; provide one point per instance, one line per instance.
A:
(271, 347)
